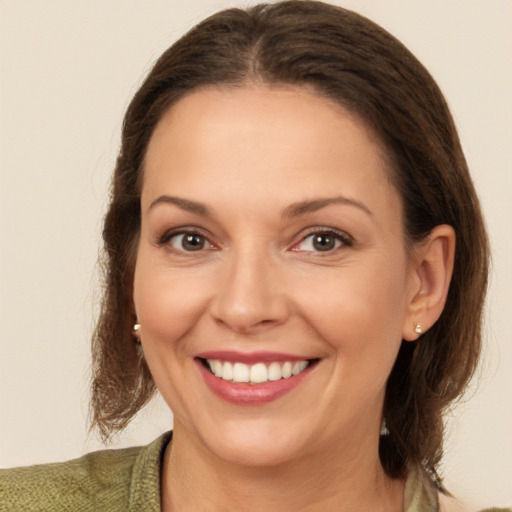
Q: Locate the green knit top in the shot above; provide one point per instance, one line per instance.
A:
(127, 480)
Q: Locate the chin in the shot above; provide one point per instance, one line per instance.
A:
(260, 451)
(254, 444)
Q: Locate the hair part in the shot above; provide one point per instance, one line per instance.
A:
(354, 62)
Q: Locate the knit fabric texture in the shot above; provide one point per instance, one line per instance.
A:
(126, 480)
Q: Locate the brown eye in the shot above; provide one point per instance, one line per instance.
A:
(189, 242)
(323, 242)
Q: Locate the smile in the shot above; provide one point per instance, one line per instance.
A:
(256, 373)
(253, 379)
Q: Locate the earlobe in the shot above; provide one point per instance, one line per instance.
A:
(432, 263)
(135, 331)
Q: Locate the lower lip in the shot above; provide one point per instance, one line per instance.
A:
(243, 393)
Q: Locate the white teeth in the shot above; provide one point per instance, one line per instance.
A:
(274, 371)
(227, 371)
(240, 372)
(256, 373)
(217, 368)
(298, 367)
(286, 370)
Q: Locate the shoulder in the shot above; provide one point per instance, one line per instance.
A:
(422, 495)
(97, 481)
(494, 509)
(449, 504)
(99, 477)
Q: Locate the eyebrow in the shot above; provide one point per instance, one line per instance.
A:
(304, 207)
(184, 204)
(293, 210)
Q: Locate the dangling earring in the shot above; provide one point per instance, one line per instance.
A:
(384, 428)
(418, 329)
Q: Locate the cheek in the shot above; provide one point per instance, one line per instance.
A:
(359, 307)
(168, 304)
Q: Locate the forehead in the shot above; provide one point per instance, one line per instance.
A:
(253, 105)
(274, 142)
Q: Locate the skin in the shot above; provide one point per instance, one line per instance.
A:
(249, 156)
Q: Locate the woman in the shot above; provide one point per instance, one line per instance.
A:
(297, 260)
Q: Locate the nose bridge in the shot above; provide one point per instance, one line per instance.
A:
(249, 294)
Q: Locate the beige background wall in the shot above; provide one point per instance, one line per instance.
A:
(68, 69)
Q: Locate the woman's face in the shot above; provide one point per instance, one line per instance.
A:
(271, 243)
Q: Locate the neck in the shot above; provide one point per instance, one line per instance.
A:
(349, 480)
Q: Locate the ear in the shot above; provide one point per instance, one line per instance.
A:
(430, 275)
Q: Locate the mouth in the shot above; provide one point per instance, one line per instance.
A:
(259, 373)
(253, 379)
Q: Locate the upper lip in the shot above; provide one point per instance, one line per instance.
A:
(250, 357)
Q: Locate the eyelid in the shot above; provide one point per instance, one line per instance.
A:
(345, 238)
(164, 239)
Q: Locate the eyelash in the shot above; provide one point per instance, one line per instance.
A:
(343, 239)
(166, 238)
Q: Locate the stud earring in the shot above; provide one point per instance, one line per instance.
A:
(136, 328)
(418, 329)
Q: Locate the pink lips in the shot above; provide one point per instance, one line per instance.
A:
(246, 393)
(250, 358)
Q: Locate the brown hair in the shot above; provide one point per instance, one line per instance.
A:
(347, 58)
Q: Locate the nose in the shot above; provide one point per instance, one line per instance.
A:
(250, 296)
